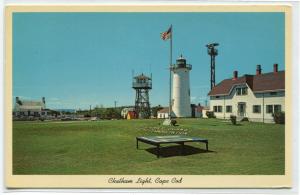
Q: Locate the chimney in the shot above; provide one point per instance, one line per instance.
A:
(235, 75)
(258, 69)
(44, 100)
(275, 68)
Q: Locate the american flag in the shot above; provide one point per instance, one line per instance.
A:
(167, 34)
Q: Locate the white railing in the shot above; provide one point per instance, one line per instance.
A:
(141, 85)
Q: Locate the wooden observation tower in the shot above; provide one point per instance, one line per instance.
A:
(142, 84)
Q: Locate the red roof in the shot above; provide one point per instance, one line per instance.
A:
(258, 83)
(163, 110)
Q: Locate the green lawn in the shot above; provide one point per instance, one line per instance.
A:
(109, 147)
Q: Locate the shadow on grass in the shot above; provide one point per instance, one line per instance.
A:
(238, 124)
(169, 151)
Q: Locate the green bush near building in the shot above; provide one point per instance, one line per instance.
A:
(279, 117)
(210, 114)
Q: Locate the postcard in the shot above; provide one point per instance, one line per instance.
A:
(136, 96)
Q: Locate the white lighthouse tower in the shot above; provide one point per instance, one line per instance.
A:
(181, 105)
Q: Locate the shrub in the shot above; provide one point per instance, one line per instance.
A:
(279, 117)
(173, 122)
(233, 119)
(210, 114)
(245, 119)
(87, 115)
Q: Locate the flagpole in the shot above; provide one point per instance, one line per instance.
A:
(170, 79)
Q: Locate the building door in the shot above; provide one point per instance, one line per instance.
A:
(241, 109)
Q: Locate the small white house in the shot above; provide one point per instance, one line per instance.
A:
(30, 107)
(196, 112)
(163, 113)
(256, 97)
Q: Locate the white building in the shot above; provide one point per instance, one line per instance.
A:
(163, 113)
(30, 108)
(256, 97)
(181, 105)
(196, 112)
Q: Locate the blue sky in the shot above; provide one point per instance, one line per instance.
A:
(81, 59)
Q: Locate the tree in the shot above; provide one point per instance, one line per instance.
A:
(112, 113)
(155, 109)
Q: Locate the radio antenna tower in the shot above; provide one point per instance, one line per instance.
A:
(213, 52)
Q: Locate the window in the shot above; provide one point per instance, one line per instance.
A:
(217, 97)
(238, 91)
(242, 91)
(269, 108)
(217, 108)
(273, 93)
(277, 108)
(256, 109)
(229, 109)
(273, 108)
